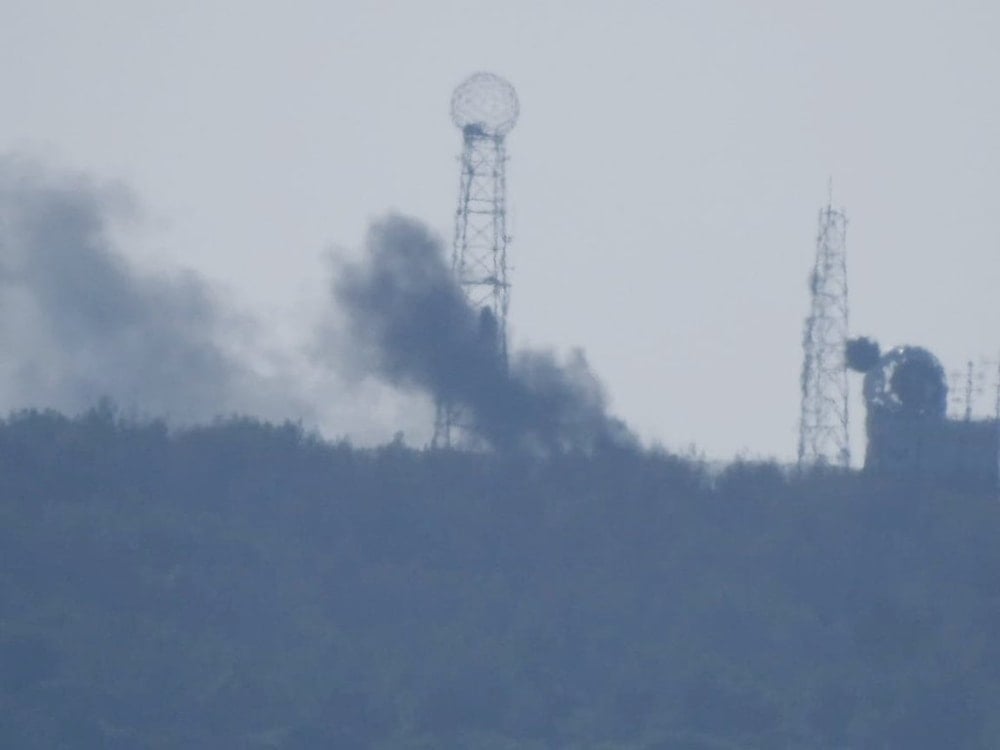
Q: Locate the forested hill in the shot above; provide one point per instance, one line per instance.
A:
(247, 586)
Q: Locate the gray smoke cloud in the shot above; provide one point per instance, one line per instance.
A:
(79, 323)
(409, 321)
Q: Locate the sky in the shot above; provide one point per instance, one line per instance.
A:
(664, 179)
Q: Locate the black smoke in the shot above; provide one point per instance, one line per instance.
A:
(79, 323)
(919, 384)
(907, 381)
(862, 353)
(411, 323)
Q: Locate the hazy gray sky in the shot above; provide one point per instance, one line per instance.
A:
(664, 181)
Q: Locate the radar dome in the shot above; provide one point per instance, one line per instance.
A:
(485, 102)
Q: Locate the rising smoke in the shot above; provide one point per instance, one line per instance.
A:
(410, 322)
(80, 324)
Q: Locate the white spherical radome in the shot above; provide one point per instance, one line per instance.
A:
(486, 102)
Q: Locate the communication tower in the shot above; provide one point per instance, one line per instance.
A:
(485, 108)
(823, 427)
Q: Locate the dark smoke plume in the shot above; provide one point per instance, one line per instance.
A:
(415, 329)
(862, 353)
(79, 323)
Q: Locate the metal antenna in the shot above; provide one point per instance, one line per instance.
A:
(485, 108)
(823, 427)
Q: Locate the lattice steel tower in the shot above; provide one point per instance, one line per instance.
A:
(823, 428)
(485, 108)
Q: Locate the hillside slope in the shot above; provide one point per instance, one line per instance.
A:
(244, 585)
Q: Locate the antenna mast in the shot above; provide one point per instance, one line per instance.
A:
(485, 108)
(823, 427)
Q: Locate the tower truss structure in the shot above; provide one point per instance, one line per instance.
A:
(485, 108)
(823, 426)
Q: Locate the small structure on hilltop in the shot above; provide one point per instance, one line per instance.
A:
(909, 431)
